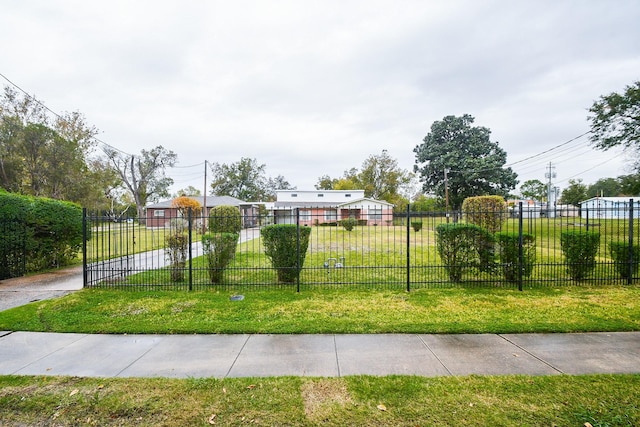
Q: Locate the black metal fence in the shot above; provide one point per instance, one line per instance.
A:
(408, 251)
(13, 251)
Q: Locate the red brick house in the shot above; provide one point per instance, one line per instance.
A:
(160, 214)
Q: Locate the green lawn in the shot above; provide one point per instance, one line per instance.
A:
(557, 400)
(456, 310)
(591, 400)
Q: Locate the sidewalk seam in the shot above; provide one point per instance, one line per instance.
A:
(531, 354)
(435, 355)
(237, 356)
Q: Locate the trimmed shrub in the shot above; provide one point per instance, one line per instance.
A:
(176, 253)
(579, 249)
(464, 246)
(509, 254)
(225, 225)
(53, 229)
(620, 254)
(281, 247)
(349, 223)
(219, 249)
(225, 219)
(416, 225)
(488, 212)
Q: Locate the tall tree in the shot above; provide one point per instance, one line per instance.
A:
(52, 158)
(575, 193)
(461, 158)
(144, 175)
(534, 189)
(607, 187)
(630, 184)
(615, 119)
(380, 177)
(246, 180)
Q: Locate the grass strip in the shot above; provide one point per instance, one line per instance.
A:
(596, 400)
(457, 310)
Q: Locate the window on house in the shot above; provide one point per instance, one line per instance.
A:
(305, 215)
(158, 212)
(375, 213)
(330, 215)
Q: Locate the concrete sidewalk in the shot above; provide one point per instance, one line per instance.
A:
(222, 356)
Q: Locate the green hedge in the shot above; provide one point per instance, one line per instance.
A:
(225, 225)
(53, 229)
(281, 247)
(509, 254)
(488, 212)
(464, 246)
(219, 249)
(620, 254)
(225, 219)
(579, 249)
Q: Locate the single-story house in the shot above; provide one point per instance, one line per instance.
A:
(160, 214)
(610, 207)
(330, 206)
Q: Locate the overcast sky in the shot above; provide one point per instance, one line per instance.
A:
(310, 88)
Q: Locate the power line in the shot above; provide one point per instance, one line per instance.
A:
(549, 150)
(34, 99)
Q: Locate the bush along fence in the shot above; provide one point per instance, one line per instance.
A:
(37, 233)
(306, 248)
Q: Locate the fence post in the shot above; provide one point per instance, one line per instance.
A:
(408, 248)
(520, 248)
(84, 247)
(631, 257)
(298, 250)
(189, 222)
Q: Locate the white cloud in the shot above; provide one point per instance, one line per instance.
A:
(315, 87)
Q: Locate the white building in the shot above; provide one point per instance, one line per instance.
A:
(610, 207)
(330, 206)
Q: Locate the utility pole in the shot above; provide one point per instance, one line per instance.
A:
(204, 201)
(551, 194)
(446, 192)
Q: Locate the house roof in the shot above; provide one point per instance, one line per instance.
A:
(613, 200)
(363, 201)
(212, 201)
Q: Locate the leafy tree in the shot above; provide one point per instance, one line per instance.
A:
(630, 184)
(144, 175)
(575, 193)
(534, 189)
(44, 157)
(474, 165)
(189, 191)
(423, 203)
(607, 187)
(246, 180)
(348, 181)
(380, 177)
(184, 203)
(615, 119)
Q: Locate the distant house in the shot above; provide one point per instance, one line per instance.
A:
(160, 214)
(610, 207)
(330, 206)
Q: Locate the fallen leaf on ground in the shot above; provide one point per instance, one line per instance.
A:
(381, 407)
(73, 392)
(212, 419)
